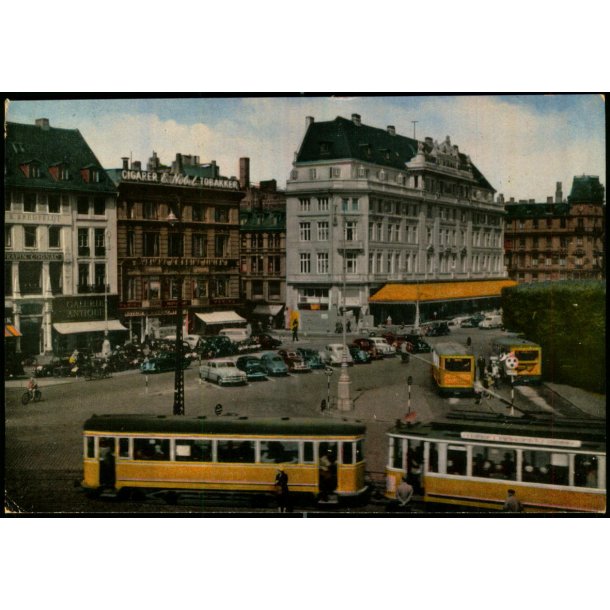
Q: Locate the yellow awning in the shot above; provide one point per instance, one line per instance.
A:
(442, 291)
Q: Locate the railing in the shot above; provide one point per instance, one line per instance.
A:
(93, 288)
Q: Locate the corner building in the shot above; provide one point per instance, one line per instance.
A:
(368, 207)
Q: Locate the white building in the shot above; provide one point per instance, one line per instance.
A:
(367, 207)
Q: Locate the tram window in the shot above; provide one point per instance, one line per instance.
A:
(234, 451)
(494, 463)
(415, 455)
(433, 461)
(329, 449)
(347, 454)
(90, 446)
(585, 471)
(151, 449)
(124, 447)
(396, 452)
(188, 450)
(279, 452)
(308, 455)
(458, 364)
(456, 460)
(359, 451)
(545, 467)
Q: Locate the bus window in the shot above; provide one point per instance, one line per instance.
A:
(359, 451)
(124, 447)
(308, 455)
(279, 452)
(458, 364)
(90, 446)
(493, 463)
(585, 471)
(526, 355)
(347, 452)
(188, 450)
(456, 460)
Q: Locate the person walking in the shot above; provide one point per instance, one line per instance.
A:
(481, 367)
(512, 503)
(404, 493)
(283, 493)
(295, 330)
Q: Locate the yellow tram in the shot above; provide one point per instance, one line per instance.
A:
(233, 454)
(472, 460)
(453, 368)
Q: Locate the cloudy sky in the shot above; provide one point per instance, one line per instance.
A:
(522, 144)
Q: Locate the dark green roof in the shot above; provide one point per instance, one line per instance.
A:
(50, 147)
(289, 426)
(254, 220)
(536, 210)
(586, 189)
(343, 139)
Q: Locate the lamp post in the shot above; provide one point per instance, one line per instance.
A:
(344, 402)
(179, 375)
(106, 342)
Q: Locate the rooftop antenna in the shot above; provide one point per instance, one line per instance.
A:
(414, 123)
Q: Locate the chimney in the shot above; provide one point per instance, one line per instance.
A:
(549, 200)
(137, 165)
(511, 200)
(308, 121)
(532, 201)
(428, 141)
(392, 130)
(196, 160)
(43, 124)
(244, 172)
(558, 193)
(356, 119)
(179, 166)
(125, 162)
(501, 198)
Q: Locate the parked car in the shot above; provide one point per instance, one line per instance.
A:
(191, 341)
(473, 321)
(216, 346)
(368, 346)
(311, 357)
(438, 329)
(237, 335)
(382, 345)
(13, 367)
(359, 356)
(253, 367)
(267, 341)
(222, 372)
(165, 361)
(295, 363)
(491, 321)
(274, 364)
(333, 354)
(416, 345)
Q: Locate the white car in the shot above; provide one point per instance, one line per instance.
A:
(223, 372)
(491, 321)
(383, 347)
(333, 354)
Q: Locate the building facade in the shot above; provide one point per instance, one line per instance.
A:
(367, 206)
(560, 239)
(60, 282)
(199, 252)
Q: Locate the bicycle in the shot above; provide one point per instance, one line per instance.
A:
(28, 395)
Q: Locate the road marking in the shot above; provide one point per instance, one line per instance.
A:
(531, 394)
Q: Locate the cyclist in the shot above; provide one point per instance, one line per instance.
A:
(32, 387)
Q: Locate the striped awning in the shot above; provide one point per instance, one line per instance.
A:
(11, 331)
(221, 317)
(441, 291)
(72, 328)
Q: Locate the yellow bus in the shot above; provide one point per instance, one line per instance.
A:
(173, 454)
(472, 460)
(453, 368)
(528, 354)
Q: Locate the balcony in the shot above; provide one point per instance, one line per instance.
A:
(350, 245)
(93, 288)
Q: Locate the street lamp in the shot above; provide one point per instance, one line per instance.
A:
(173, 221)
(344, 402)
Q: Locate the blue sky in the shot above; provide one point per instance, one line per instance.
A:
(522, 144)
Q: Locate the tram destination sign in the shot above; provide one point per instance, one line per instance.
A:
(525, 440)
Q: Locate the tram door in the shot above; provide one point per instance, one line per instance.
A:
(327, 468)
(107, 462)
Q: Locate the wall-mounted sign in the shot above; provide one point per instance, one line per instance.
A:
(33, 256)
(85, 308)
(131, 175)
(156, 261)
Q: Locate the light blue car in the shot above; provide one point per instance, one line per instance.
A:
(274, 364)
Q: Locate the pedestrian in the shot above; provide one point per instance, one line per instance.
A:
(283, 493)
(270, 322)
(512, 503)
(388, 321)
(469, 342)
(404, 493)
(295, 330)
(348, 326)
(481, 367)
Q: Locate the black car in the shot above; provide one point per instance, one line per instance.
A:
(311, 357)
(217, 346)
(472, 322)
(416, 345)
(267, 342)
(439, 329)
(165, 361)
(253, 367)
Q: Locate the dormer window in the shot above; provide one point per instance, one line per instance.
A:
(31, 169)
(324, 148)
(90, 174)
(59, 172)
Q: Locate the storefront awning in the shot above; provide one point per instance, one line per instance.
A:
(220, 317)
(267, 310)
(71, 328)
(11, 331)
(442, 291)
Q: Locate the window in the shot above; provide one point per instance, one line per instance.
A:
(198, 213)
(235, 451)
(350, 233)
(335, 172)
(274, 265)
(221, 215)
(371, 263)
(99, 206)
(8, 236)
(344, 205)
(131, 243)
(29, 202)
(304, 231)
(304, 204)
(545, 467)
(30, 277)
(351, 261)
(150, 210)
(562, 223)
(152, 289)
(274, 289)
(30, 236)
(220, 245)
(379, 262)
(150, 449)
(54, 204)
(83, 275)
(585, 471)
(200, 246)
(279, 452)
(100, 275)
(173, 288)
(188, 450)
(100, 242)
(219, 287)
(151, 244)
(456, 460)
(322, 262)
(312, 173)
(82, 205)
(323, 204)
(305, 262)
(200, 289)
(257, 288)
(175, 244)
(131, 289)
(294, 174)
(83, 242)
(54, 237)
(355, 204)
(323, 231)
